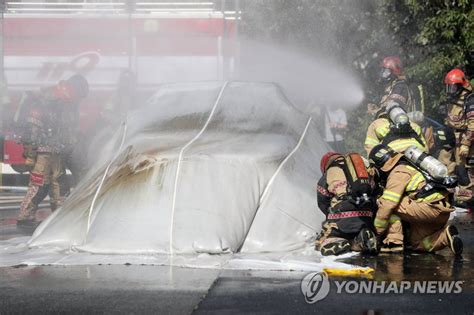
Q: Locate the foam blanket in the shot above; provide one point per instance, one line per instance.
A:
(200, 169)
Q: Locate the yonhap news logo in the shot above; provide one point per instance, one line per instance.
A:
(315, 286)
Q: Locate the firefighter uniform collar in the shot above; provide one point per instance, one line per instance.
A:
(391, 163)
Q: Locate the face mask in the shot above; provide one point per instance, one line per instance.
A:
(385, 75)
(453, 90)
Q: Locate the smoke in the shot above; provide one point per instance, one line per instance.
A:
(308, 81)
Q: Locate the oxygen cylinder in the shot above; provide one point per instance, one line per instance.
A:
(397, 115)
(426, 162)
(417, 117)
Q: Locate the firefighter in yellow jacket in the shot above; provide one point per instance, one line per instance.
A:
(393, 128)
(459, 115)
(409, 195)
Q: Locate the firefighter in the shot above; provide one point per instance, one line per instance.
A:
(393, 128)
(348, 204)
(415, 192)
(49, 120)
(396, 88)
(459, 115)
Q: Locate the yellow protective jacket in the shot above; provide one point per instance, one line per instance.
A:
(380, 128)
(403, 181)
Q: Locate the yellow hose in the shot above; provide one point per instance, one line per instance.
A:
(365, 272)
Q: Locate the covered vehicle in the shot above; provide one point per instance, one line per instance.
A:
(207, 167)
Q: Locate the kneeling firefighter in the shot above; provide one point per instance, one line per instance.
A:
(394, 129)
(345, 196)
(415, 193)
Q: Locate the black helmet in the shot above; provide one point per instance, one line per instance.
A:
(80, 86)
(380, 154)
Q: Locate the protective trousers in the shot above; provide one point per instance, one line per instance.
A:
(427, 221)
(331, 234)
(465, 193)
(43, 179)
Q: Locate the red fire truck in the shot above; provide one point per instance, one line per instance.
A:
(44, 42)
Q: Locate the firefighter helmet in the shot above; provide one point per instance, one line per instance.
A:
(381, 154)
(455, 81)
(79, 85)
(327, 160)
(393, 63)
(71, 90)
(391, 68)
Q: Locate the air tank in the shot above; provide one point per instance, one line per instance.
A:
(397, 115)
(426, 162)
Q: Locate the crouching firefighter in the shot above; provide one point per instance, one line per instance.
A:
(345, 196)
(415, 193)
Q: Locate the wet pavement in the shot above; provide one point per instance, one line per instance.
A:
(127, 289)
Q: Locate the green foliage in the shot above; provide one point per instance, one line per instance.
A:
(430, 36)
(443, 40)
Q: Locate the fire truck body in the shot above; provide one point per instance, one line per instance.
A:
(167, 45)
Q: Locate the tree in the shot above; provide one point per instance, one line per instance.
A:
(430, 36)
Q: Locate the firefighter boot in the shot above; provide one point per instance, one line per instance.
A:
(392, 248)
(366, 240)
(335, 246)
(455, 242)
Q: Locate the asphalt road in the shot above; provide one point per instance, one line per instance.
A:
(127, 289)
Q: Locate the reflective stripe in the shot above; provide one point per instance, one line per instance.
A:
(379, 223)
(323, 191)
(350, 214)
(432, 197)
(426, 243)
(338, 184)
(391, 196)
(394, 219)
(371, 140)
(415, 181)
(416, 128)
(383, 130)
(403, 144)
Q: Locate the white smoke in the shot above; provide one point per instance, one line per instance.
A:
(309, 81)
